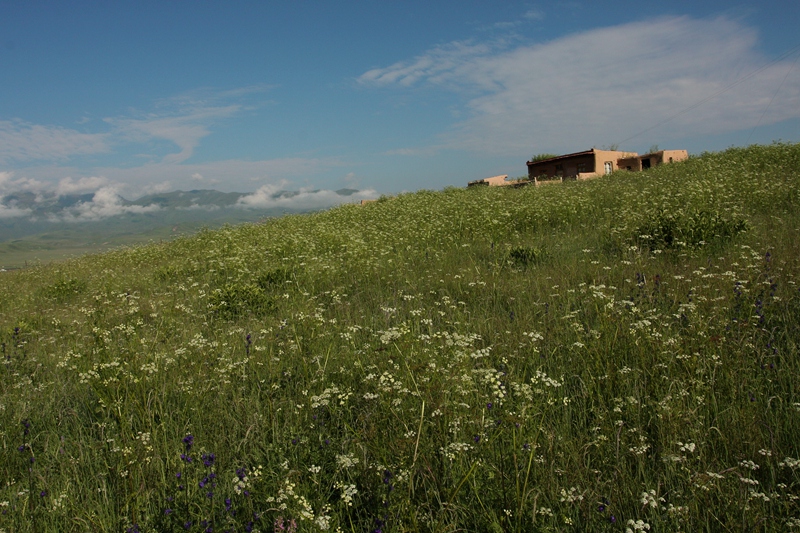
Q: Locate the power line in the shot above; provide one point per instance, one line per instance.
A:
(771, 99)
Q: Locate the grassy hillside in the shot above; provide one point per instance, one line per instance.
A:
(618, 354)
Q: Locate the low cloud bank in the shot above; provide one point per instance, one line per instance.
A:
(97, 198)
(9, 184)
(13, 211)
(270, 196)
(105, 203)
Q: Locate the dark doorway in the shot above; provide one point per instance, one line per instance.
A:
(645, 163)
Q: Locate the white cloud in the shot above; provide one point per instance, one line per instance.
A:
(81, 185)
(605, 85)
(269, 196)
(198, 207)
(5, 178)
(105, 203)
(22, 141)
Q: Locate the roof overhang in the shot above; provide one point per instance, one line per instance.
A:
(565, 156)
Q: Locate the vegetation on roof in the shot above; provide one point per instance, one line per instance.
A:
(542, 157)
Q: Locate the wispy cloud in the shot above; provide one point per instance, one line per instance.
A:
(422, 151)
(184, 129)
(202, 180)
(441, 64)
(81, 185)
(228, 175)
(604, 85)
(183, 121)
(187, 118)
(533, 14)
(274, 195)
(22, 141)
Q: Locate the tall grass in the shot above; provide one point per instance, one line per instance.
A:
(612, 355)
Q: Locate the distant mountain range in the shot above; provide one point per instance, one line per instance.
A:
(45, 225)
(46, 205)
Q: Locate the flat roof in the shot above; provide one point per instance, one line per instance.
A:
(585, 152)
(623, 155)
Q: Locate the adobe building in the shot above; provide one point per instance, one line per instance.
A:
(494, 181)
(592, 163)
(580, 165)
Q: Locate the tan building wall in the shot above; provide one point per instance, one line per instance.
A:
(634, 164)
(654, 159)
(673, 156)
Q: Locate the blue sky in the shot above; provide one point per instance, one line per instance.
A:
(137, 97)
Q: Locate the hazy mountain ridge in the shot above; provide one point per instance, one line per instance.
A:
(47, 225)
(48, 204)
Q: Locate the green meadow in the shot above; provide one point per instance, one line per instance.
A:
(619, 354)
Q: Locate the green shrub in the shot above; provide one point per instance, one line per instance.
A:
(665, 230)
(273, 278)
(64, 289)
(233, 300)
(525, 256)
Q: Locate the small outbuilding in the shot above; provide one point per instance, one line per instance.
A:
(494, 181)
(643, 162)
